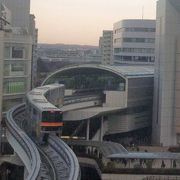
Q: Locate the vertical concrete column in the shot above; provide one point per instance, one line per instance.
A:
(177, 93)
(102, 129)
(1, 79)
(87, 130)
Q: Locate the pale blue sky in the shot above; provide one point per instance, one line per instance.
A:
(82, 21)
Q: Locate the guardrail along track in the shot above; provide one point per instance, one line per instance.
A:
(22, 144)
(80, 98)
(63, 158)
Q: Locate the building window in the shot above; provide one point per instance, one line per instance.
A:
(136, 29)
(14, 68)
(14, 86)
(134, 40)
(134, 50)
(135, 58)
(18, 52)
(15, 51)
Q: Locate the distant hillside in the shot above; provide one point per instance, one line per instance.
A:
(67, 46)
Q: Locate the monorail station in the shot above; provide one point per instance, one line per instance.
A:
(102, 101)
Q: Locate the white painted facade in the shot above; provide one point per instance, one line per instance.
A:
(16, 45)
(134, 42)
(166, 118)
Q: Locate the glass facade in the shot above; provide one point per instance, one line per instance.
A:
(89, 78)
(135, 58)
(134, 40)
(14, 86)
(134, 29)
(134, 50)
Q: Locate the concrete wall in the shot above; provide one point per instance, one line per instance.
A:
(116, 99)
(120, 123)
(166, 73)
(140, 91)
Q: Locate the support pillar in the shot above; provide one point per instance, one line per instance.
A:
(102, 129)
(87, 130)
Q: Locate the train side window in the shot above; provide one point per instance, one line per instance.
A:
(29, 108)
(58, 117)
(34, 111)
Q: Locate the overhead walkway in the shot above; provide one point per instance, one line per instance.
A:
(106, 148)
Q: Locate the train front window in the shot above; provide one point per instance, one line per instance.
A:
(52, 116)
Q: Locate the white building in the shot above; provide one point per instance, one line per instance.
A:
(134, 41)
(106, 47)
(16, 47)
(166, 120)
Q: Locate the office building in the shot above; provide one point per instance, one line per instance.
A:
(166, 120)
(134, 42)
(16, 55)
(106, 47)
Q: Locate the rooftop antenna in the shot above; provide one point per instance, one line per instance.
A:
(143, 12)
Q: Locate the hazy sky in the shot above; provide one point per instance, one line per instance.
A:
(82, 21)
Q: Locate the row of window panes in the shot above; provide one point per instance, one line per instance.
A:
(99, 79)
(137, 29)
(15, 51)
(14, 68)
(9, 103)
(14, 86)
(134, 40)
(134, 50)
(135, 58)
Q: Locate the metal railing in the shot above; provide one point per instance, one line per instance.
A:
(24, 143)
(80, 99)
(162, 178)
(68, 157)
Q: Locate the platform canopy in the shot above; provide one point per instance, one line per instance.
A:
(121, 71)
(146, 155)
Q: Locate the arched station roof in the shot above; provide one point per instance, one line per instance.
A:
(124, 71)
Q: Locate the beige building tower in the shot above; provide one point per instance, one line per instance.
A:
(166, 118)
(106, 47)
(16, 47)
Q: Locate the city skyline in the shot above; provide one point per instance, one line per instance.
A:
(82, 21)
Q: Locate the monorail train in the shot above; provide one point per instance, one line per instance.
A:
(43, 111)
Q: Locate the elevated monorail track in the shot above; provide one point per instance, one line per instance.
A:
(23, 145)
(53, 161)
